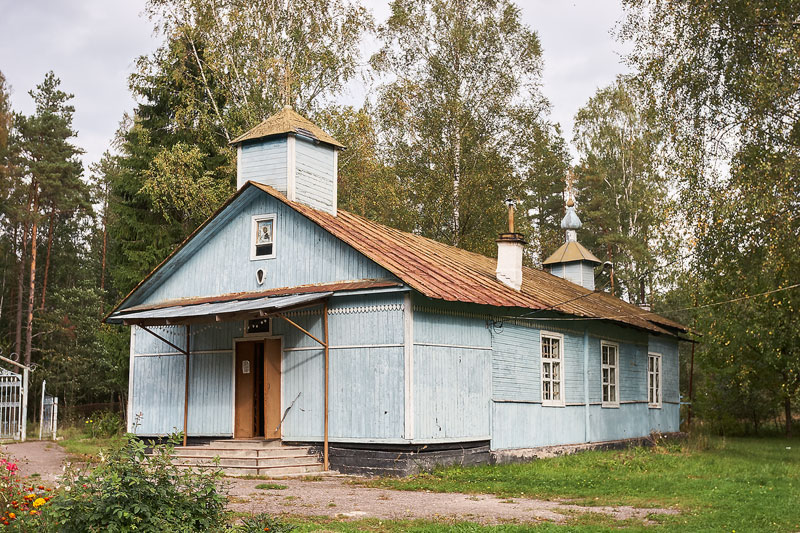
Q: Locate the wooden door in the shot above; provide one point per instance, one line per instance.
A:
(272, 389)
(244, 410)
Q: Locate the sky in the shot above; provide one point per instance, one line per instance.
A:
(92, 45)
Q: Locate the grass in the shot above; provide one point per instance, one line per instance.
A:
(271, 486)
(82, 446)
(722, 485)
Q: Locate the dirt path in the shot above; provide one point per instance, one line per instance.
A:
(335, 497)
(45, 458)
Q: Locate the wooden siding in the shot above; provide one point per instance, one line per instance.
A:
(158, 394)
(670, 367)
(222, 263)
(264, 162)
(516, 365)
(528, 425)
(451, 372)
(315, 175)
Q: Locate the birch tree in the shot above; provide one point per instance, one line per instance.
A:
(461, 99)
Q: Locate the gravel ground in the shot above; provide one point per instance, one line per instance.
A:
(338, 497)
(335, 497)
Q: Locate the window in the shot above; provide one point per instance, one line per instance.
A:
(552, 369)
(610, 365)
(263, 237)
(654, 379)
(258, 326)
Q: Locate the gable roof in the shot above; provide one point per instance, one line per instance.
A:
(444, 272)
(571, 251)
(287, 120)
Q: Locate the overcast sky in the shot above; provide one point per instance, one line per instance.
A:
(92, 44)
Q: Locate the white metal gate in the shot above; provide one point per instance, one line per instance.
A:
(49, 415)
(10, 405)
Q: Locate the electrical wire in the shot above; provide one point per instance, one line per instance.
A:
(646, 313)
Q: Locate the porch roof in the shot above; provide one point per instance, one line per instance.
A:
(217, 311)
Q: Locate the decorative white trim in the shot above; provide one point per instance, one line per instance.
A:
(255, 219)
(335, 181)
(291, 168)
(615, 402)
(344, 347)
(459, 346)
(130, 378)
(239, 181)
(408, 365)
(365, 309)
(561, 402)
(659, 386)
(198, 352)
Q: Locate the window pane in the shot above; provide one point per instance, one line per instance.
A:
(264, 232)
(546, 370)
(556, 391)
(557, 371)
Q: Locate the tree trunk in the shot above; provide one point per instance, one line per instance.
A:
(21, 284)
(32, 283)
(787, 411)
(47, 258)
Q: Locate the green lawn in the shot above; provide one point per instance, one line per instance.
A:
(83, 447)
(719, 485)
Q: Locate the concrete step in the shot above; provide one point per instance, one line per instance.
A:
(242, 452)
(249, 462)
(238, 444)
(274, 471)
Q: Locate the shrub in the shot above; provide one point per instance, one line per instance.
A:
(104, 424)
(131, 491)
(263, 522)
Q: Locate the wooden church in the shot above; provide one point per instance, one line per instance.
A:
(287, 321)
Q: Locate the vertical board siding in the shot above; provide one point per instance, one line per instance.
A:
(516, 364)
(220, 262)
(452, 392)
(528, 425)
(158, 390)
(316, 173)
(573, 272)
(264, 162)
(442, 324)
(149, 344)
(210, 394)
(670, 370)
(366, 383)
(587, 275)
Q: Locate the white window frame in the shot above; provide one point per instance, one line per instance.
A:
(560, 361)
(615, 367)
(253, 230)
(655, 379)
(256, 333)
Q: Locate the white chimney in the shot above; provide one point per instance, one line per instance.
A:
(509, 254)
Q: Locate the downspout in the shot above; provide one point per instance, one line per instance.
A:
(586, 423)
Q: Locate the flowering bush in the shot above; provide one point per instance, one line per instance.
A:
(21, 502)
(131, 491)
(104, 424)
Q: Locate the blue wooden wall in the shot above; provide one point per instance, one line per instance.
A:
(315, 174)
(218, 261)
(264, 162)
(452, 364)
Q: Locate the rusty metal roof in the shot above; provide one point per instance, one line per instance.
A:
(448, 273)
(571, 251)
(339, 286)
(437, 271)
(287, 120)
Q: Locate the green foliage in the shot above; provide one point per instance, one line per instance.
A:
(731, 484)
(725, 78)
(271, 486)
(21, 499)
(264, 522)
(104, 424)
(130, 490)
(461, 121)
(621, 187)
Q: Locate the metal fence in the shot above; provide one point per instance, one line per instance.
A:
(11, 405)
(49, 415)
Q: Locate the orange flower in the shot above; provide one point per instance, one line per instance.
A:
(12, 516)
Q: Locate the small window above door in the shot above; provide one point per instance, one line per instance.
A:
(262, 241)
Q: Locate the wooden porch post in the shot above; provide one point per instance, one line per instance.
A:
(186, 389)
(325, 444)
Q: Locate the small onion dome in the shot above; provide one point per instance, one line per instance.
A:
(571, 220)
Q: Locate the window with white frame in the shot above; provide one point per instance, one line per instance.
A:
(262, 241)
(610, 373)
(552, 369)
(654, 379)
